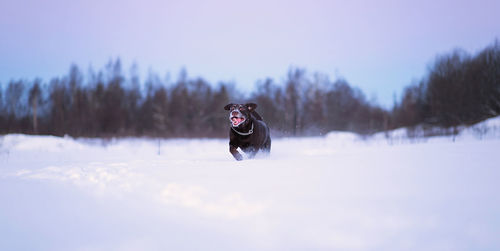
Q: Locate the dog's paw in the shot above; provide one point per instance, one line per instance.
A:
(238, 157)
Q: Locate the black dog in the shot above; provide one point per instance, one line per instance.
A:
(248, 131)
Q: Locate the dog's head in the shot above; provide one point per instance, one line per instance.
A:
(240, 114)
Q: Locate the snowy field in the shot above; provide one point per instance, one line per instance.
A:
(336, 192)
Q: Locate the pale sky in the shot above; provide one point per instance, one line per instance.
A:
(377, 46)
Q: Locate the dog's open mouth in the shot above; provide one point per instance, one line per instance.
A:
(236, 121)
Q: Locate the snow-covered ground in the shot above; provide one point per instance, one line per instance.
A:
(336, 192)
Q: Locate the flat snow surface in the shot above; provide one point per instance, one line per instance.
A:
(336, 192)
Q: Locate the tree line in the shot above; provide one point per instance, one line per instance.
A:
(459, 89)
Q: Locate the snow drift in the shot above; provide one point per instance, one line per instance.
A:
(338, 192)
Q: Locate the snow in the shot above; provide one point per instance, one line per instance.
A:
(337, 192)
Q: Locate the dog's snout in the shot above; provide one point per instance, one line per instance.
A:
(234, 113)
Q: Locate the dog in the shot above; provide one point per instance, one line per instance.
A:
(248, 131)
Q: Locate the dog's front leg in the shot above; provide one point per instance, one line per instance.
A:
(235, 153)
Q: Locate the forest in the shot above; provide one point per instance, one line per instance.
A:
(458, 89)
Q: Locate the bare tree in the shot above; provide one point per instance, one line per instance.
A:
(35, 100)
(293, 98)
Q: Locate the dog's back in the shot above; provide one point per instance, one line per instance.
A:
(257, 116)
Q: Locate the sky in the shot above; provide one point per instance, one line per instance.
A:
(378, 46)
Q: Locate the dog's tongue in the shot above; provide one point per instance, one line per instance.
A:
(237, 120)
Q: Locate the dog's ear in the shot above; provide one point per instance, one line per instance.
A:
(228, 106)
(251, 106)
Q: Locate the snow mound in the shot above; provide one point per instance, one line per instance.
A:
(23, 142)
(488, 129)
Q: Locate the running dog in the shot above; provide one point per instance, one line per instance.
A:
(248, 131)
